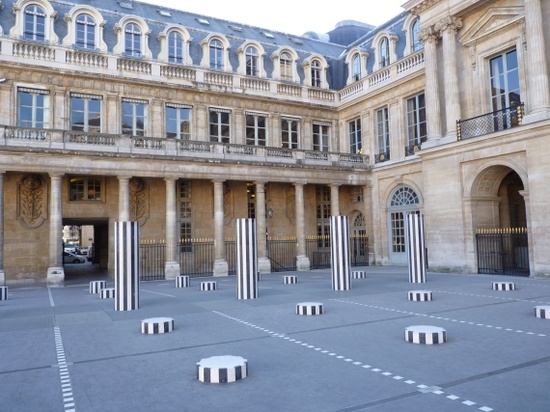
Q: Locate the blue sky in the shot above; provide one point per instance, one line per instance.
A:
(291, 16)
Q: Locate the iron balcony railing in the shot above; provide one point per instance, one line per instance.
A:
(490, 122)
(382, 157)
(414, 147)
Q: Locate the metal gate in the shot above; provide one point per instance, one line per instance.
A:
(503, 251)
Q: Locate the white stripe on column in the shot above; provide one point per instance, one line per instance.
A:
(340, 258)
(416, 248)
(247, 259)
(126, 266)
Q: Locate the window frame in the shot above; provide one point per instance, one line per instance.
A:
(135, 105)
(179, 119)
(86, 100)
(354, 134)
(416, 122)
(88, 184)
(39, 108)
(256, 129)
(290, 138)
(382, 133)
(321, 136)
(222, 127)
(37, 31)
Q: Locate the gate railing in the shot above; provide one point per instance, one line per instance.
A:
(196, 256)
(503, 251)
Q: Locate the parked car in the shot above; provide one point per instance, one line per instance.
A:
(69, 257)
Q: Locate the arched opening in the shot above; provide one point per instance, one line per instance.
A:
(500, 222)
(403, 201)
(359, 240)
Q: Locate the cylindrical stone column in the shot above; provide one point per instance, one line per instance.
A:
(126, 266)
(334, 200)
(417, 248)
(340, 253)
(2, 274)
(123, 198)
(220, 263)
(56, 274)
(302, 261)
(429, 38)
(247, 259)
(171, 265)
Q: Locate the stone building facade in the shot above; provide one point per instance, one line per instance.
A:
(115, 111)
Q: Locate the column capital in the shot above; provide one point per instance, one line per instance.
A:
(299, 183)
(56, 175)
(123, 177)
(428, 35)
(448, 23)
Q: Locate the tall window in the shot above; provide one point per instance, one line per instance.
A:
(175, 47)
(216, 55)
(252, 68)
(185, 214)
(35, 24)
(290, 133)
(85, 113)
(416, 122)
(85, 31)
(355, 144)
(285, 64)
(132, 40)
(220, 130)
(384, 52)
(256, 129)
(134, 117)
(415, 41)
(356, 67)
(178, 121)
(403, 202)
(84, 188)
(33, 108)
(322, 206)
(505, 81)
(383, 134)
(315, 73)
(321, 136)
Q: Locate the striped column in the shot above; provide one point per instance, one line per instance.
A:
(339, 253)
(247, 259)
(3, 293)
(126, 266)
(417, 248)
(182, 281)
(97, 285)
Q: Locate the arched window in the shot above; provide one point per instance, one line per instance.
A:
(34, 27)
(132, 40)
(416, 44)
(315, 73)
(403, 201)
(175, 47)
(285, 64)
(384, 52)
(85, 31)
(252, 66)
(356, 67)
(216, 54)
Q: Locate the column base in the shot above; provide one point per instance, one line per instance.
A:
(264, 265)
(55, 276)
(302, 263)
(2, 278)
(171, 270)
(221, 268)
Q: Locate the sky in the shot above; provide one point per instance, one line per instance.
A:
(291, 16)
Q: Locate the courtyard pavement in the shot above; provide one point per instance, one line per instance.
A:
(64, 349)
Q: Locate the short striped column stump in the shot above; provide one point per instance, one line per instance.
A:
(222, 369)
(420, 295)
(152, 326)
(182, 281)
(359, 274)
(3, 293)
(504, 286)
(107, 293)
(425, 334)
(309, 308)
(290, 279)
(210, 285)
(97, 285)
(542, 312)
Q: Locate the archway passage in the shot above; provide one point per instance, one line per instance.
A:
(403, 201)
(96, 240)
(501, 223)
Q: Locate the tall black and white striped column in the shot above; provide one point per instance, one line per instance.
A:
(247, 259)
(340, 253)
(417, 248)
(126, 266)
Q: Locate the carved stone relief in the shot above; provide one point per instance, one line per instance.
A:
(32, 201)
(139, 201)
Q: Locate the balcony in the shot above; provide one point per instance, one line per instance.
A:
(490, 122)
(382, 157)
(102, 144)
(414, 147)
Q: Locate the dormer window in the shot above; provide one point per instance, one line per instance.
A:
(85, 31)
(384, 52)
(132, 40)
(216, 54)
(315, 73)
(252, 66)
(175, 47)
(416, 44)
(356, 67)
(35, 23)
(285, 64)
